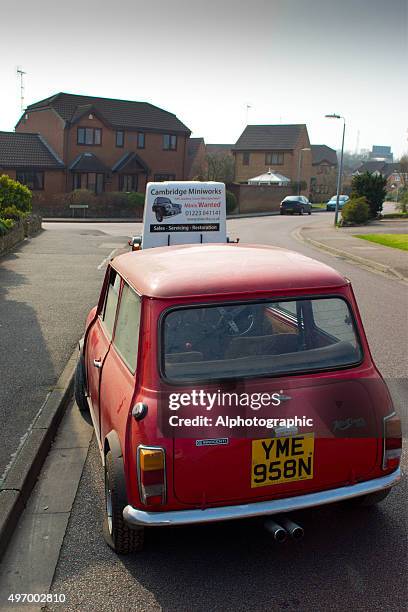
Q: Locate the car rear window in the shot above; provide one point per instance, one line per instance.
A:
(258, 339)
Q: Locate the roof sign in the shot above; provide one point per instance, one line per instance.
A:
(184, 213)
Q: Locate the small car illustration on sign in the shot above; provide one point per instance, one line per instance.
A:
(208, 320)
(164, 207)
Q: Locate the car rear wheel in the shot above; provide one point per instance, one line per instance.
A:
(301, 211)
(159, 216)
(117, 533)
(309, 212)
(79, 386)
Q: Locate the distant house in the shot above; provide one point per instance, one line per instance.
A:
(196, 158)
(29, 159)
(391, 171)
(278, 147)
(219, 149)
(324, 172)
(105, 144)
(381, 153)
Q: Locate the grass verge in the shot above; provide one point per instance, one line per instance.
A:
(396, 241)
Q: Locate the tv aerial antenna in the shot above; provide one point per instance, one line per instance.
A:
(20, 75)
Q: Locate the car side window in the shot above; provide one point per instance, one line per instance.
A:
(126, 338)
(111, 302)
(332, 317)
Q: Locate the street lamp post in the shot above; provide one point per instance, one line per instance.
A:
(299, 166)
(336, 214)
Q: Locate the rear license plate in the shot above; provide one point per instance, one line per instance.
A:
(278, 460)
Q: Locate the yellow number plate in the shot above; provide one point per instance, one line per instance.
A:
(277, 460)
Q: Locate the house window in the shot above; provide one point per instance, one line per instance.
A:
(275, 159)
(169, 142)
(128, 182)
(93, 181)
(164, 177)
(120, 138)
(89, 136)
(245, 158)
(33, 180)
(140, 140)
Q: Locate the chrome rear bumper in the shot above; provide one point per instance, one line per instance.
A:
(142, 518)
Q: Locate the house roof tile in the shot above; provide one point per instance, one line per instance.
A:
(124, 114)
(21, 150)
(88, 162)
(269, 137)
(219, 149)
(323, 153)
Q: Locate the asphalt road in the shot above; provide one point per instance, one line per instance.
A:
(47, 287)
(349, 559)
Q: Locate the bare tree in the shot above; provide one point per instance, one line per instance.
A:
(220, 167)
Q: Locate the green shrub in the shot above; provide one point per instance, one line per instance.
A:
(373, 188)
(356, 210)
(136, 199)
(15, 194)
(81, 196)
(12, 212)
(231, 202)
(5, 226)
(402, 204)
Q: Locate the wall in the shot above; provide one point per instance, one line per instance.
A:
(54, 180)
(29, 227)
(158, 160)
(47, 123)
(257, 165)
(255, 198)
(323, 182)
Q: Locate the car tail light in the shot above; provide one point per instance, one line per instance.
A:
(392, 442)
(151, 464)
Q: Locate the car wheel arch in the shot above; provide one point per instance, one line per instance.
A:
(112, 444)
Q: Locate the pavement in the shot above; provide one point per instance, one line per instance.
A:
(347, 559)
(47, 287)
(342, 241)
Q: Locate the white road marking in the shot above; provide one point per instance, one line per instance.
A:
(108, 258)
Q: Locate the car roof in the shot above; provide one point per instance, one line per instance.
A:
(222, 269)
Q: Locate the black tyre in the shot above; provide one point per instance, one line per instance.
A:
(369, 500)
(79, 386)
(117, 533)
(301, 211)
(310, 212)
(281, 212)
(159, 216)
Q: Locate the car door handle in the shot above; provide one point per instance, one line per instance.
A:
(97, 363)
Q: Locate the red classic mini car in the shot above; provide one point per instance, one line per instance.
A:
(228, 381)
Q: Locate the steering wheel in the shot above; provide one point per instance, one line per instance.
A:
(235, 321)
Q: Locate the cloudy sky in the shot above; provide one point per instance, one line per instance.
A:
(291, 61)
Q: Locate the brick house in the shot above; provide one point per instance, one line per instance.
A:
(324, 172)
(395, 175)
(29, 159)
(277, 147)
(106, 144)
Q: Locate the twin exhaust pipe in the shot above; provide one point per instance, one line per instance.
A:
(281, 531)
